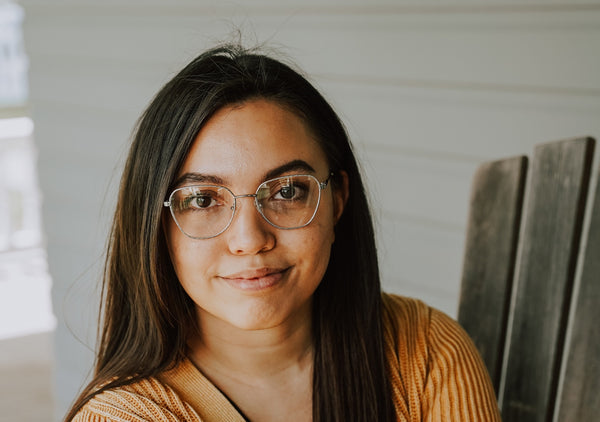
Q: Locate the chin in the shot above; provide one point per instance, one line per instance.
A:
(252, 323)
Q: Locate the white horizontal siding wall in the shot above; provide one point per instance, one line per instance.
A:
(427, 89)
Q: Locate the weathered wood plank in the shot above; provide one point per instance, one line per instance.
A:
(549, 249)
(580, 398)
(489, 260)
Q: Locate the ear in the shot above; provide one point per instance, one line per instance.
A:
(340, 195)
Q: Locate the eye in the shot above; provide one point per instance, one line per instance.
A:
(287, 192)
(201, 201)
(290, 192)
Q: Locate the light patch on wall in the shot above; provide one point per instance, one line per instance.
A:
(18, 127)
(25, 306)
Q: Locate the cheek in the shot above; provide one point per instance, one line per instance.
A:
(187, 256)
(326, 224)
(316, 245)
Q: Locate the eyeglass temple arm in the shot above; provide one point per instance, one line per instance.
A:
(324, 184)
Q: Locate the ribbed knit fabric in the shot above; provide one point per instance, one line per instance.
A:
(147, 400)
(435, 372)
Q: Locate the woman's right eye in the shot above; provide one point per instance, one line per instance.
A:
(202, 201)
(199, 201)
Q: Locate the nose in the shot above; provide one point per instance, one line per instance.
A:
(249, 233)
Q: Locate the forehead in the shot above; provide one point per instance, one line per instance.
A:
(251, 138)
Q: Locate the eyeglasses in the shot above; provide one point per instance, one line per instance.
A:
(287, 202)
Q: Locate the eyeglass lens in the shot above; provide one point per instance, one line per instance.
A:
(205, 211)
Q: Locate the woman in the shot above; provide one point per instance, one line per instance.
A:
(241, 279)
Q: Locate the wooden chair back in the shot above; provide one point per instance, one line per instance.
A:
(530, 293)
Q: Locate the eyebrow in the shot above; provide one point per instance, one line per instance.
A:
(193, 177)
(295, 165)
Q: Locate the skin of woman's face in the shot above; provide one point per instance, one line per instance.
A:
(254, 276)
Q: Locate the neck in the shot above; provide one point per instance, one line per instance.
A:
(259, 354)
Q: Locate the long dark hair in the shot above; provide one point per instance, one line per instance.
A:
(147, 317)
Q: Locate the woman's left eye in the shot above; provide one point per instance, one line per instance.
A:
(289, 192)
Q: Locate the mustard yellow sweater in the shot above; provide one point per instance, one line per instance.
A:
(435, 372)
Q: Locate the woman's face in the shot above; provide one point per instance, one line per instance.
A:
(253, 275)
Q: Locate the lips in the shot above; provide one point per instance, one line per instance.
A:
(255, 279)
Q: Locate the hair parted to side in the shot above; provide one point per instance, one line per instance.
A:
(147, 317)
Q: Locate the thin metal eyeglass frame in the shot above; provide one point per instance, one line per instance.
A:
(322, 186)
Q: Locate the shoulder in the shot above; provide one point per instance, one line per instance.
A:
(426, 330)
(145, 400)
(435, 370)
(420, 335)
(406, 323)
(403, 309)
(411, 320)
